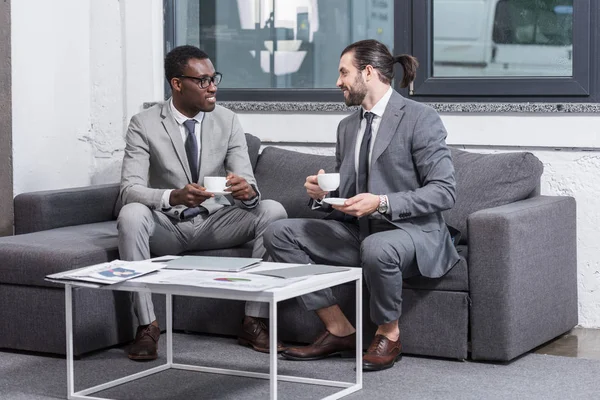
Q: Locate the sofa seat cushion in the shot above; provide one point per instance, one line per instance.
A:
(455, 280)
(26, 259)
(281, 175)
(490, 180)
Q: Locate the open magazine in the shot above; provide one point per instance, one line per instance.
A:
(108, 273)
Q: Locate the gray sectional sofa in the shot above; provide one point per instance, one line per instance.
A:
(514, 288)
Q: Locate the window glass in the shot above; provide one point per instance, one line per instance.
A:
(280, 43)
(502, 38)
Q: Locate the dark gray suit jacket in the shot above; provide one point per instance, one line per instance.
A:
(411, 164)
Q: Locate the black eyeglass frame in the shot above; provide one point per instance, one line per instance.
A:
(204, 81)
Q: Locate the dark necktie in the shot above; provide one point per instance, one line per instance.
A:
(191, 148)
(362, 180)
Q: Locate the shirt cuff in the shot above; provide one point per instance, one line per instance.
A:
(164, 201)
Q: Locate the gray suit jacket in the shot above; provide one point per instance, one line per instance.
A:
(411, 164)
(155, 157)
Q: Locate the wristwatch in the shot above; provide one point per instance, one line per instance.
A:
(383, 205)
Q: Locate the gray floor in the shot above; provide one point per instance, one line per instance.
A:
(534, 376)
(579, 343)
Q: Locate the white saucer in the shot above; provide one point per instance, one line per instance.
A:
(218, 192)
(336, 201)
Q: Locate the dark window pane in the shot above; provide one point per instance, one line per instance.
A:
(280, 43)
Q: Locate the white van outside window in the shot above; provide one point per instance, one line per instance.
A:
(502, 38)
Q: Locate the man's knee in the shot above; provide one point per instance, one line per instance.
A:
(271, 210)
(135, 217)
(275, 233)
(374, 251)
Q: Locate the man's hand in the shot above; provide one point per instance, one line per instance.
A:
(312, 187)
(239, 188)
(360, 205)
(191, 195)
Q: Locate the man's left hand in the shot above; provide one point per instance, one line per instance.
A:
(239, 188)
(360, 205)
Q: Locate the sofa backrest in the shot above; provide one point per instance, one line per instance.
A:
(490, 180)
(281, 174)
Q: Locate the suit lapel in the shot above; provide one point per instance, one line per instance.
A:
(208, 124)
(389, 124)
(174, 133)
(348, 167)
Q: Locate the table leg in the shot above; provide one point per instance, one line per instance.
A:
(169, 305)
(69, 330)
(359, 331)
(273, 348)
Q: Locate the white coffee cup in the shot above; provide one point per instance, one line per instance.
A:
(215, 183)
(328, 182)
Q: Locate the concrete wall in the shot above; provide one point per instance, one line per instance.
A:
(6, 165)
(100, 60)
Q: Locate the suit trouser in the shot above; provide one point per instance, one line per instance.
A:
(143, 232)
(386, 256)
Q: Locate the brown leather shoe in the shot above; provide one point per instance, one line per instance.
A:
(326, 345)
(145, 344)
(382, 354)
(255, 333)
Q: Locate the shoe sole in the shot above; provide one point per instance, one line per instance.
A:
(375, 367)
(142, 358)
(342, 354)
(244, 342)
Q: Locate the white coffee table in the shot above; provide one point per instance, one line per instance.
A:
(271, 296)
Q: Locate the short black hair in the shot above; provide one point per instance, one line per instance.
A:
(177, 59)
(374, 53)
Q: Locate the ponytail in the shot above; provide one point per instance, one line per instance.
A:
(409, 65)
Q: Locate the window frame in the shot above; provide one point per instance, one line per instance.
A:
(413, 20)
(578, 87)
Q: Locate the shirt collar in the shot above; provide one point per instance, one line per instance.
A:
(379, 108)
(180, 118)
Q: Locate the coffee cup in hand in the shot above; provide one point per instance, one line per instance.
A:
(328, 182)
(215, 183)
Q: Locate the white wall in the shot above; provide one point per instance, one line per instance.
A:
(82, 68)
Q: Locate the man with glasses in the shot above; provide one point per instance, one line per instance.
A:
(170, 148)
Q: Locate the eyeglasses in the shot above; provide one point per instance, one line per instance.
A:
(205, 81)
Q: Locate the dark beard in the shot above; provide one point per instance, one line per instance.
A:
(357, 94)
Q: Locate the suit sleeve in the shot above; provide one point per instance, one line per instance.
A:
(237, 160)
(433, 163)
(136, 167)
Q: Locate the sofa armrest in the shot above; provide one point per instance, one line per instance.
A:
(39, 211)
(522, 275)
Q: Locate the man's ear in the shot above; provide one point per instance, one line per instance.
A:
(175, 84)
(370, 72)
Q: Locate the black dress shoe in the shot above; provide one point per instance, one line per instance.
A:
(145, 345)
(326, 345)
(255, 334)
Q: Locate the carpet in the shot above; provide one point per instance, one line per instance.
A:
(534, 376)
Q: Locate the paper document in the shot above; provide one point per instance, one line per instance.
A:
(304, 270)
(108, 273)
(234, 281)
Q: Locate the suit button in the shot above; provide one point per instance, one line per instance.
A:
(176, 212)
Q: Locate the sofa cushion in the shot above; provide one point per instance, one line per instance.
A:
(27, 259)
(281, 175)
(455, 280)
(490, 180)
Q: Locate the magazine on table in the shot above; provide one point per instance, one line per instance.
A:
(108, 273)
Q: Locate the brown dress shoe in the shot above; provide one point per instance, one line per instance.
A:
(326, 345)
(145, 344)
(255, 333)
(382, 354)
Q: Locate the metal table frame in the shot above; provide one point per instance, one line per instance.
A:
(272, 296)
